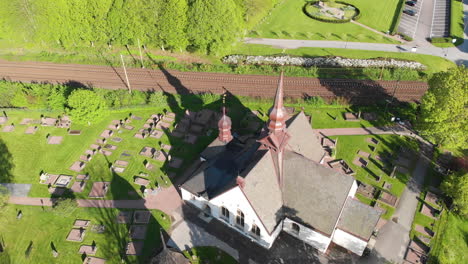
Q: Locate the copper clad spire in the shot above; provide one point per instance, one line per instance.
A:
(278, 112)
(224, 125)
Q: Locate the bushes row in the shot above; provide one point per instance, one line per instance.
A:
(441, 40)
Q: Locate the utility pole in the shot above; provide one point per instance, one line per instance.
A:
(126, 76)
(141, 56)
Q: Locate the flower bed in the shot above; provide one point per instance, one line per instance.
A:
(350, 12)
(322, 62)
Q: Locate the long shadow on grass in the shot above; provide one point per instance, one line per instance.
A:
(118, 234)
(184, 99)
(6, 163)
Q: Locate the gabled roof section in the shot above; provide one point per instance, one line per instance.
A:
(358, 219)
(313, 194)
(219, 174)
(262, 190)
(214, 148)
(303, 139)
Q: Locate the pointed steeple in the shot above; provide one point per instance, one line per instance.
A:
(224, 125)
(277, 121)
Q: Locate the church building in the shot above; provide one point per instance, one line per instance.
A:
(277, 183)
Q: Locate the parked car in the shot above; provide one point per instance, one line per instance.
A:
(410, 12)
(411, 3)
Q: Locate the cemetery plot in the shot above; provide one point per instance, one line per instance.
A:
(373, 161)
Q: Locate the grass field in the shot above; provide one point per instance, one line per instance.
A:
(433, 63)
(288, 21)
(209, 255)
(451, 245)
(377, 16)
(42, 228)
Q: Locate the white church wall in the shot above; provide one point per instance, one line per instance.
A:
(233, 200)
(350, 242)
(353, 190)
(199, 202)
(309, 236)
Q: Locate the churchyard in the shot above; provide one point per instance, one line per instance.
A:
(146, 148)
(382, 164)
(95, 156)
(39, 232)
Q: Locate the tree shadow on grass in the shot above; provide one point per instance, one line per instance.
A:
(6, 164)
(118, 234)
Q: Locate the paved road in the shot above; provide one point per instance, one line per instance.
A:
(167, 200)
(425, 15)
(458, 55)
(17, 189)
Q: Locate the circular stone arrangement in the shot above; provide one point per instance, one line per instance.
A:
(331, 11)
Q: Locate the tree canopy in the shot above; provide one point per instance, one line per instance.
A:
(212, 24)
(456, 186)
(444, 112)
(85, 106)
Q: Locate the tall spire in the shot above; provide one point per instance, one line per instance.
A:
(278, 112)
(224, 125)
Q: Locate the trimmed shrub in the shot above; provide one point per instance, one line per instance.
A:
(441, 40)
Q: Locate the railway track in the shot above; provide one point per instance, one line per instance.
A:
(364, 91)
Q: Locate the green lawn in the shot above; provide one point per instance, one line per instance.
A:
(42, 227)
(288, 21)
(210, 255)
(456, 21)
(32, 155)
(376, 15)
(434, 64)
(450, 245)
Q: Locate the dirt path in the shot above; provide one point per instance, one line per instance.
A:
(196, 82)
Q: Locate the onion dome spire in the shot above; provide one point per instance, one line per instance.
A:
(224, 125)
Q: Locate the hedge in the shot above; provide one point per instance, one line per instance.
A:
(327, 20)
(441, 40)
(396, 22)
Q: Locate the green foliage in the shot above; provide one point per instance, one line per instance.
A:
(4, 196)
(64, 207)
(78, 23)
(456, 186)
(444, 116)
(85, 106)
(441, 40)
(172, 32)
(157, 98)
(213, 24)
(209, 98)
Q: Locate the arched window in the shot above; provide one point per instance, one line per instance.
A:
(255, 230)
(295, 228)
(225, 212)
(240, 218)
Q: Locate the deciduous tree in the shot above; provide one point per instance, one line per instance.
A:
(214, 24)
(456, 186)
(444, 112)
(173, 24)
(85, 106)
